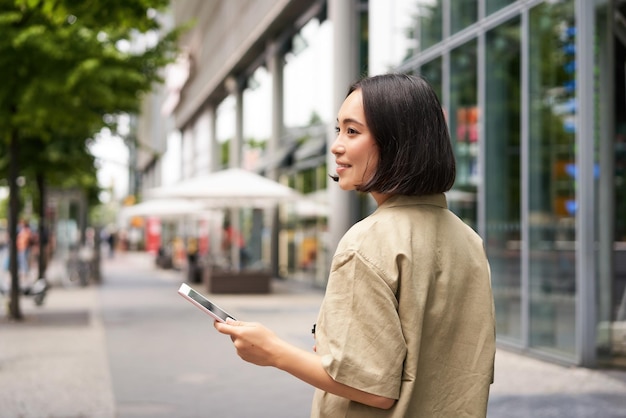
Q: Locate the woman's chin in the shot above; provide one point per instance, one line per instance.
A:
(345, 186)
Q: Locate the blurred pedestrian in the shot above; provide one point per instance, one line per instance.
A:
(111, 240)
(406, 328)
(23, 243)
(233, 237)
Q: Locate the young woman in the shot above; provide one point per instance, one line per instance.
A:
(406, 328)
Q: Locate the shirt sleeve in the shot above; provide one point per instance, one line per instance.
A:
(358, 332)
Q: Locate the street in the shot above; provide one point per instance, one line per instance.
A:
(132, 347)
(166, 359)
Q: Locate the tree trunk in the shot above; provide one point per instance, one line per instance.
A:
(42, 229)
(14, 304)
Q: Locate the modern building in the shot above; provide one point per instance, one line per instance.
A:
(535, 93)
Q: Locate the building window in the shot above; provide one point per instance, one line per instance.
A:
(463, 122)
(552, 177)
(495, 5)
(502, 174)
(431, 71)
(463, 13)
(429, 22)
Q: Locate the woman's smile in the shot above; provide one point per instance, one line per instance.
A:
(341, 167)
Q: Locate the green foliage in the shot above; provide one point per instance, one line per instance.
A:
(4, 209)
(71, 67)
(255, 143)
(225, 152)
(315, 119)
(72, 64)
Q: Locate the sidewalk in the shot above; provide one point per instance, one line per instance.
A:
(54, 364)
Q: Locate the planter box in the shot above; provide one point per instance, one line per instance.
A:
(245, 281)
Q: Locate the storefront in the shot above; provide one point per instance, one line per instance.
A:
(534, 92)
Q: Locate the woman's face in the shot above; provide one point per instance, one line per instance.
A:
(355, 150)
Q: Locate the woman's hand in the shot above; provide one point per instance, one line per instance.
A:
(258, 345)
(254, 343)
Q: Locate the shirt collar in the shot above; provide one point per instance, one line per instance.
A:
(438, 199)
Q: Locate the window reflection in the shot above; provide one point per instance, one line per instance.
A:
(463, 14)
(431, 71)
(463, 122)
(502, 174)
(399, 30)
(495, 5)
(552, 177)
(429, 23)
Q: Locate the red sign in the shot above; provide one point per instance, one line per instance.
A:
(153, 235)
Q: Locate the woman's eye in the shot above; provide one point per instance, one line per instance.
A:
(349, 131)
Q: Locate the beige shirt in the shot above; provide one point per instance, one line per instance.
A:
(408, 314)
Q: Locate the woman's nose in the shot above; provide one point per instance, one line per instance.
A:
(337, 148)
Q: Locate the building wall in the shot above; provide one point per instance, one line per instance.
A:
(151, 134)
(228, 38)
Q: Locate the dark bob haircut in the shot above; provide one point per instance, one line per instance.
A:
(407, 122)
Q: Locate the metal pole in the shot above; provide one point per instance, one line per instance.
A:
(585, 199)
(343, 205)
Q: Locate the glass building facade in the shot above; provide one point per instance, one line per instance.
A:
(534, 94)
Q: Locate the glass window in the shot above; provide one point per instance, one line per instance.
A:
(463, 121)
(428, 23)
(463, 13)
(495, 5)
(400, 29)
(502, 174)
(431, 71)
(552, 177)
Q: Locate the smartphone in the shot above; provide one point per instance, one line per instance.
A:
(203, 303)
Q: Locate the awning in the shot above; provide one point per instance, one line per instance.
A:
(281, 158)
(314, 147)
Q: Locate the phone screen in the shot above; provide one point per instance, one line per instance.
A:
(204, 302)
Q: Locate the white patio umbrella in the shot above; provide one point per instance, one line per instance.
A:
(163, 208)
(230, 188)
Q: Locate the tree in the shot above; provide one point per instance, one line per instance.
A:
(72, 67)
(64, 164)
